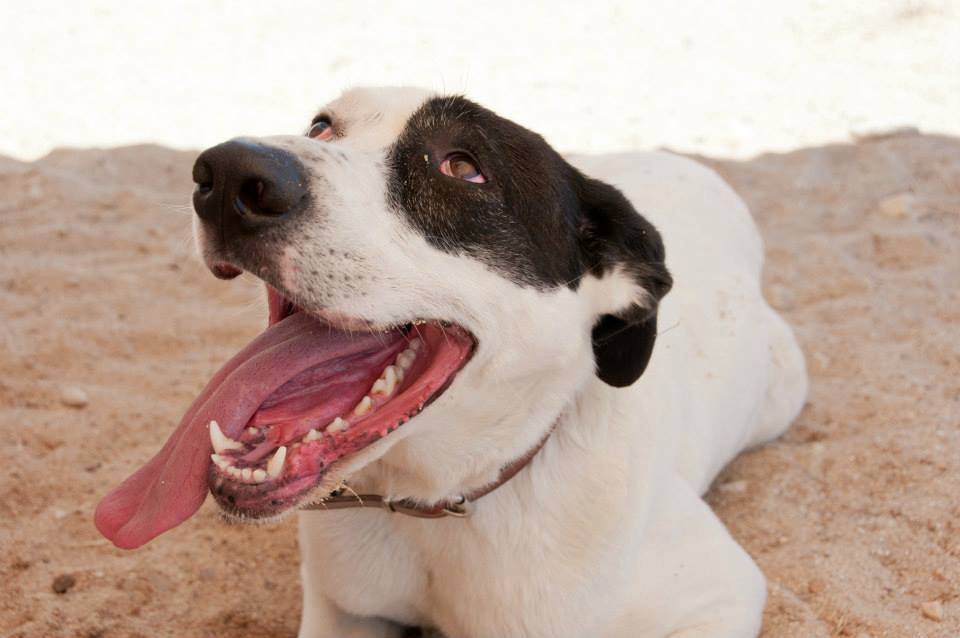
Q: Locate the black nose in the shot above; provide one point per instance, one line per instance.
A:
(245, 185)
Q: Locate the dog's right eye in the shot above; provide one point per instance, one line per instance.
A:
(462, 166)
(321, 129)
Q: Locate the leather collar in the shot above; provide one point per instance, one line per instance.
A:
(460, 507)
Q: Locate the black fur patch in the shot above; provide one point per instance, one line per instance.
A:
(522, 222)
(537, 220)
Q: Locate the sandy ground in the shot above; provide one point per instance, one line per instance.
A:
(728, 79)
(854, 515)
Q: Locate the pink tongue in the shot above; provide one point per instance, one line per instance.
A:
(172, 486)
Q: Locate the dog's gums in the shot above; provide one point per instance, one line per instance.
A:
(317, 418)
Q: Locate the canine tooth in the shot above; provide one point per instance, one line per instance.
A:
(415, 344)
(337, 425)
(222, 442)
(379, 387)
(312, 435)
(275, 466)
(364, 406)
(221, 461)
(259, 476)
(247, 474)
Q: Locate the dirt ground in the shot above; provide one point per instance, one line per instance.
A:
(109, 327)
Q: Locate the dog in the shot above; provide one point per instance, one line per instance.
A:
(496, 381)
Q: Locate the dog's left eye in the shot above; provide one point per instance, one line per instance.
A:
(462, 166)
(321, 130)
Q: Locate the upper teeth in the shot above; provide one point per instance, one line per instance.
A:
(391, 377)
(387, 382)
(363, 407)
(405, 358)
(222, 442)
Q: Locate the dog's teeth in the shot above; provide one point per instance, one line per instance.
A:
(259, 476)
(390, 377)
(405, 359)
(387, 382)
(234, 472)
(415, 345)
(275, 466)
(312, 435)
(221, 461)
(363, 407)
(222, 442)
(337, 425)
(247, 474)
(252, 431)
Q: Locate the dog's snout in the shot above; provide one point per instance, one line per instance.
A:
(244, 184)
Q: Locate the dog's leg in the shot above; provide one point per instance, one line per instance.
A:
(323, 619)
(350, 556)
(694, 580)
(787, 381)
(732, 629)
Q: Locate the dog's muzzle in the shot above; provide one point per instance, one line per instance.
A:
(243, 186)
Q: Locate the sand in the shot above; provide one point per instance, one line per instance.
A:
(729, 79)
(110, 327)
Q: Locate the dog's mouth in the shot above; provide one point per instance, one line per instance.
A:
(357, 387)
(272, 421)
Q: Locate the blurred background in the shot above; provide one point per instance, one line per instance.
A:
(729, 79)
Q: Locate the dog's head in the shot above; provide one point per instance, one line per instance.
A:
(441, 284)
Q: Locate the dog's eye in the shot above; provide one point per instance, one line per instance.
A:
(321, 130)
(462, 166)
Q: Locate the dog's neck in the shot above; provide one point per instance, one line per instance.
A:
(447, 469)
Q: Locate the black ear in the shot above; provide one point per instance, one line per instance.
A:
(622, 350)
(615, 237)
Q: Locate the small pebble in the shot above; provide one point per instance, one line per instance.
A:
(74, 397)
(735, 487)
(896, 206)
(932, 609)
(816, 586)
(63, 583)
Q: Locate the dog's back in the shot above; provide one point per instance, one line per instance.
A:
(741, 361)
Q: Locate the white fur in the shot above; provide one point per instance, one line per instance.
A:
(604, 534)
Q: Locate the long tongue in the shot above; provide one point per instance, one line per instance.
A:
(173, 484)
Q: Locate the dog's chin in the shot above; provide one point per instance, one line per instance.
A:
(256, 512)
(328, 418)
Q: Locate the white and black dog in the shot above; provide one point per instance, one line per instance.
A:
(462, 328)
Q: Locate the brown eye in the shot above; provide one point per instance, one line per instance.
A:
(321, 130)
(462, 166)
